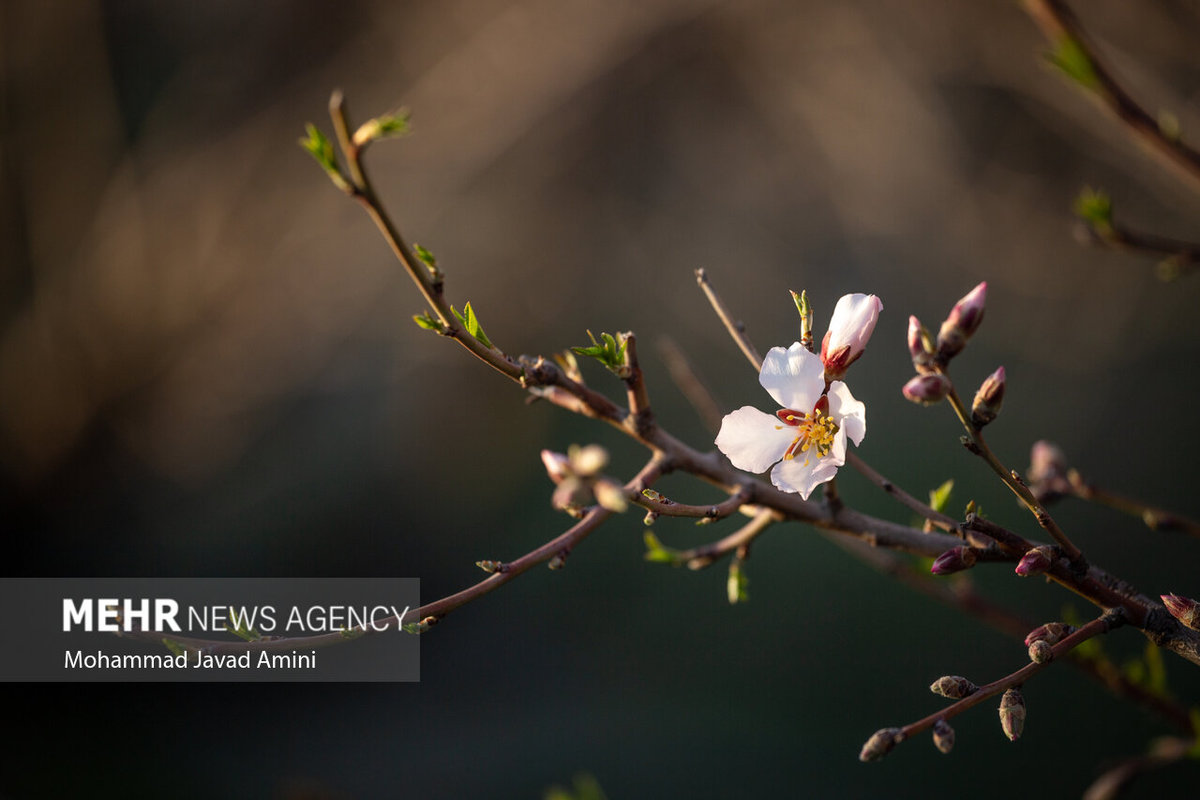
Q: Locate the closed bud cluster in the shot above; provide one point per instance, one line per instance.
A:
(956, 559)
(943, 736)
(1051, 632)
(577, 481)
(1041, 651)
(919, 342)
(880, 744)
(1184, 609)
(953, 686)
(927, 389)
(1012, 714)
(1035, 561)
(963, 321)
(988, 399)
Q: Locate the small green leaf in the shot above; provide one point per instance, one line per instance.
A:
(1095, 208)
(174, 646)
(656, 552)
(1156, 670)
(394, 123)
(471, 323)
(1070, 57)
(321, 149)
(429, 260)
(429, 322)
(241, 630)
(939, 498)
(609, 351)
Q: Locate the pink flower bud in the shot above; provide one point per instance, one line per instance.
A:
(1035, 562)
(1048, 471)
(850, 329)
(921, 357)
(964, 319)
(988, 399)
(927, 389)
(1184, 609)
(956, 559)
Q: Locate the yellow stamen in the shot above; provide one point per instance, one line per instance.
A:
(815, 431)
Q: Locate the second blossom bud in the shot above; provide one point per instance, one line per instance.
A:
(850, 329)
(988, 399)
(963, 321)
(927, 389)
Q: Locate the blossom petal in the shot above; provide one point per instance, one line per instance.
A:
(802, 475)
(793, 377)
(752, 439)
(853, 322)
(848, 413)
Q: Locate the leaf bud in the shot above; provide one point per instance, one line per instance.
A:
(956, 559)
(1051, 632)
(943, 736)
(927, 389)
(920, 346)
(988, 399)
(880, 744)
(558, 467)
(955, 687)
(1041, 651)
(1012, 714)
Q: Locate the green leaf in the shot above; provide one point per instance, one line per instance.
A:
(1156, 670)
(655, 551)
(939, 498)
(586, 787)
(429, 322)
(1070, 57)
(321, 149)
(241, 630)
(426, 256)
(394, 123)
(609, 351)
(471, 323)
(174, 646)
(1095, 208)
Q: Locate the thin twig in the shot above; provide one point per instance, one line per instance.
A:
(736, 329)
(1059, 25)
(739, 540)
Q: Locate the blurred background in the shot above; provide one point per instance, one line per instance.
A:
(208, 367)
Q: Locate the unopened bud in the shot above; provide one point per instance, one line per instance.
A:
(558, 467)
(880, 744)
(1041, 651)
(988, 399)
(1184, 609)
(1035, 561)
(850, 329)
(559, 561)
(1047, 462)
(489, 566)
(943, 736)
(1012, 714)
(927, 389)
(956, 559)
(920, 346)
(955, 687)
(963, 321)
(1051, 632)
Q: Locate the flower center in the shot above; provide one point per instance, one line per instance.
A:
(814, 431)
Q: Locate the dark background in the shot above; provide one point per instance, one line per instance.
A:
(207, 367)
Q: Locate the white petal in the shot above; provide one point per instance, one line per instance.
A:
(803, 475)
(848, 413)
(853, 322)
(793, 377)
(754, 440)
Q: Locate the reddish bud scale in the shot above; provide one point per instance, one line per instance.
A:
(927, 389)
(1041, 651)
(955, 687)
(1184, 609)
(963, 321)
(988, 399)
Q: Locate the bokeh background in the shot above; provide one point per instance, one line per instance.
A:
(208, 367)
